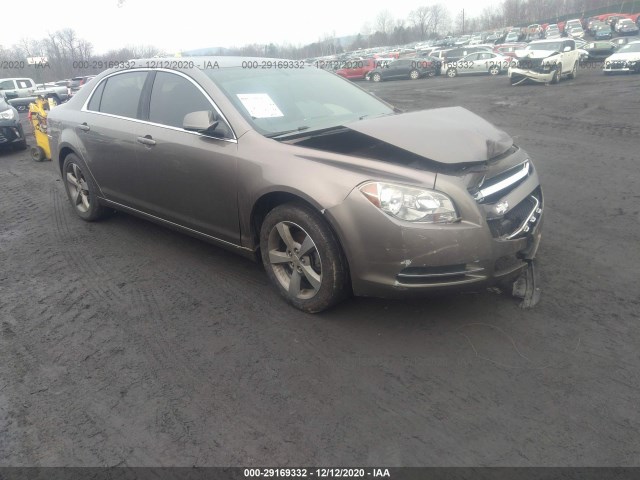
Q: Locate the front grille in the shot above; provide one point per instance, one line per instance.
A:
(617, 65)
(7, 135)
(496, 187)
(520, 219)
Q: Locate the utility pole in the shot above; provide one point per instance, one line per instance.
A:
(463, 21)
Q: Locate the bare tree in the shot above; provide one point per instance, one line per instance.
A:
(440, 18)
(384, 22)
(421, 19)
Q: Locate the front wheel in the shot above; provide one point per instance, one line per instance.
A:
(452, 72)
(557, 74)
(303, 258)
(81, 189)
(376, 77)
(414, 75)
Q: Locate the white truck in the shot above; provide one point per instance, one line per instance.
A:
(22, 91)
(545, 61)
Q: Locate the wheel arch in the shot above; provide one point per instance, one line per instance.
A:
(270, 200)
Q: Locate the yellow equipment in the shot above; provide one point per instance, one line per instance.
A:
(38, 111)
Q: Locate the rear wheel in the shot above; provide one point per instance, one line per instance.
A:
(574, 72)
(81, 189)
(414, 75)
(494, 70)
(452, 72)
(303, 258)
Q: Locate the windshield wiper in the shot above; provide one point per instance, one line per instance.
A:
(286, 132)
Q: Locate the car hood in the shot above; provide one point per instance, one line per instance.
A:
(535, 53)
(450, 135)
(624, 56)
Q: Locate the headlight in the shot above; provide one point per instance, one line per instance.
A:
(411, 204)
(7, 114)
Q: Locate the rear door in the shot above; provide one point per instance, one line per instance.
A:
(107, 129)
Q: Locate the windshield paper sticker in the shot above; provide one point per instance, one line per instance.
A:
(260, 105)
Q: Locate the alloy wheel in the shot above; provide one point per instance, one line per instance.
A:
(295, 260)
(78, 188)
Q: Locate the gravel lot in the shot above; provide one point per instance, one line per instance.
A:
(123, 343)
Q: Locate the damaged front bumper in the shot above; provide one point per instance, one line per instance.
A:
(525, 74)
(392, 258)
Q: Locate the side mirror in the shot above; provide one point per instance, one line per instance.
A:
(202, 122)
(567, 49)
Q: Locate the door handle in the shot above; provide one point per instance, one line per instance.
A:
(146, 140)
(84, 127)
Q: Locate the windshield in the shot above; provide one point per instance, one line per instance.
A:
(630, 48)
(551, 46)
(278, 101)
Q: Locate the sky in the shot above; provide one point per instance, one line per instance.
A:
(189, 24)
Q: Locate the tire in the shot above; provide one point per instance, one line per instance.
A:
(37, 154)
(452, 73)
(376, 77)
(318, 278)
(574, 72)
(432, 73)
(21, 145)
(414, 75)
(494, 70)
(81, 190)
(557, 74)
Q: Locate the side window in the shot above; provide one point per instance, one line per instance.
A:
(7, 85)
(121, 94)
(94, 103)
(172, 97)
(23, 83)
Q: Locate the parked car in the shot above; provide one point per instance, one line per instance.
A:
(512, 37)
(546, 61)
(602, 32)
(357, 69)
(599, 51)
(17, 87)
(26, 88)
(11, 131)
(412, 69)
(509, 49)
(434, 64)
(478, 63)
(78, 82)
(456, 54)
(331, 188)
(626, 59)
(575, 32)
(620, 41)
(626, 26)
(552, 31)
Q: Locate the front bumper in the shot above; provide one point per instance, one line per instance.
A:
(540, 77)
(11, 133)
(391, 258)
(619, 66)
